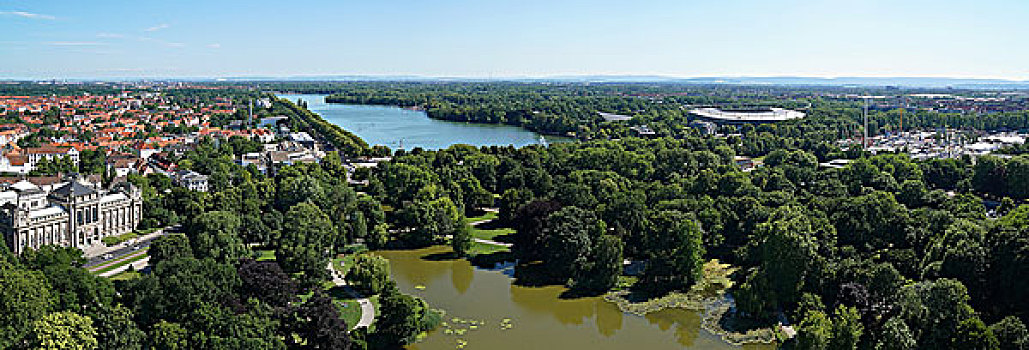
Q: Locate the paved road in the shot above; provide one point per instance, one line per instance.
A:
(123, 249)
(136, 266)
(367, 308)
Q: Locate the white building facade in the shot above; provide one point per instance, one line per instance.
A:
(75, 214)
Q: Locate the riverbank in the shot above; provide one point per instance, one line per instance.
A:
(707, 296)
(414, 126)
(434, 114)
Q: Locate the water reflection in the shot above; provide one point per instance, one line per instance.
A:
(609, 318)
(540, 318)
(685, 323)
(461, 276)
(404, 128)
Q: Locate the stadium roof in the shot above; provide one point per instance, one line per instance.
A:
(747, 116)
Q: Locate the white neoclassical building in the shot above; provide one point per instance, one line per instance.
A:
(75, 214)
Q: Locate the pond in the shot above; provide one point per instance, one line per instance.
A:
(539, 318)
(395, 127)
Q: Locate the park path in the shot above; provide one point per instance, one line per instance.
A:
(367, 308)
(486, 241)
(490, 242)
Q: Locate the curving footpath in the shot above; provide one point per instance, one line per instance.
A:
(367, 308)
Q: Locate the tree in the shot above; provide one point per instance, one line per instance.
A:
(934, 310)
(169, 336)
(461, 241)
(1011, 334)
(265, 281)
(178, 288)
(786, 252)
(215, 235)
(307, 238)
(846, 328)
(79, 290)
(510, 202)
(170, 246)
(989, 175)
(1018, 177)
(570, 234)
(895, 335)
(431, 220)
(64, 330)
(676, 250)
(875, 220)
(319, 324)
(604, 266)
(814, 331)
(24, 298)
(972, 333)
(116, 330)
(369, 274)
(400, 318)
(300, 189)
(530, 221)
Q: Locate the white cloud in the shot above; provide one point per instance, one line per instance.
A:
(157, 27)
(175, 44)
(29, 15)
(214, 46)
(110, 35)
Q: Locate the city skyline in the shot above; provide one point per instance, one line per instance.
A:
(528, 39)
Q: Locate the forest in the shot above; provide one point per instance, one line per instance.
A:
(884, 253)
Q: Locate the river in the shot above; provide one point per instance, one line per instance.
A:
(539, 319)
(389, 126)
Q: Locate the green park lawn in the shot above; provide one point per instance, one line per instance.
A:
(349, 310)
(491, 234)
(489, 215)
(483, 248)
(126, 275)
(113, 240)
(265, 255)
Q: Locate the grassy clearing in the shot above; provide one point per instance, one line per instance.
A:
(113, 240)
(343, 264)
(125, 276)
(265, 255)
(489, 215)
(483, 248)
(349, 310)
(491, 234)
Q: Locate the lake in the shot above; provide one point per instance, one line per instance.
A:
(389, 126)
(539, 319)
(512, 317)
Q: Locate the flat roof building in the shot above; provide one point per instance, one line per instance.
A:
(763, 115)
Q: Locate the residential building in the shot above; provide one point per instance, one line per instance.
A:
(191, 180)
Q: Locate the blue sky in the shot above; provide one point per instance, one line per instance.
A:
(507, 38)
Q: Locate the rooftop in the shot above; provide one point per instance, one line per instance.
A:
(764, 115)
